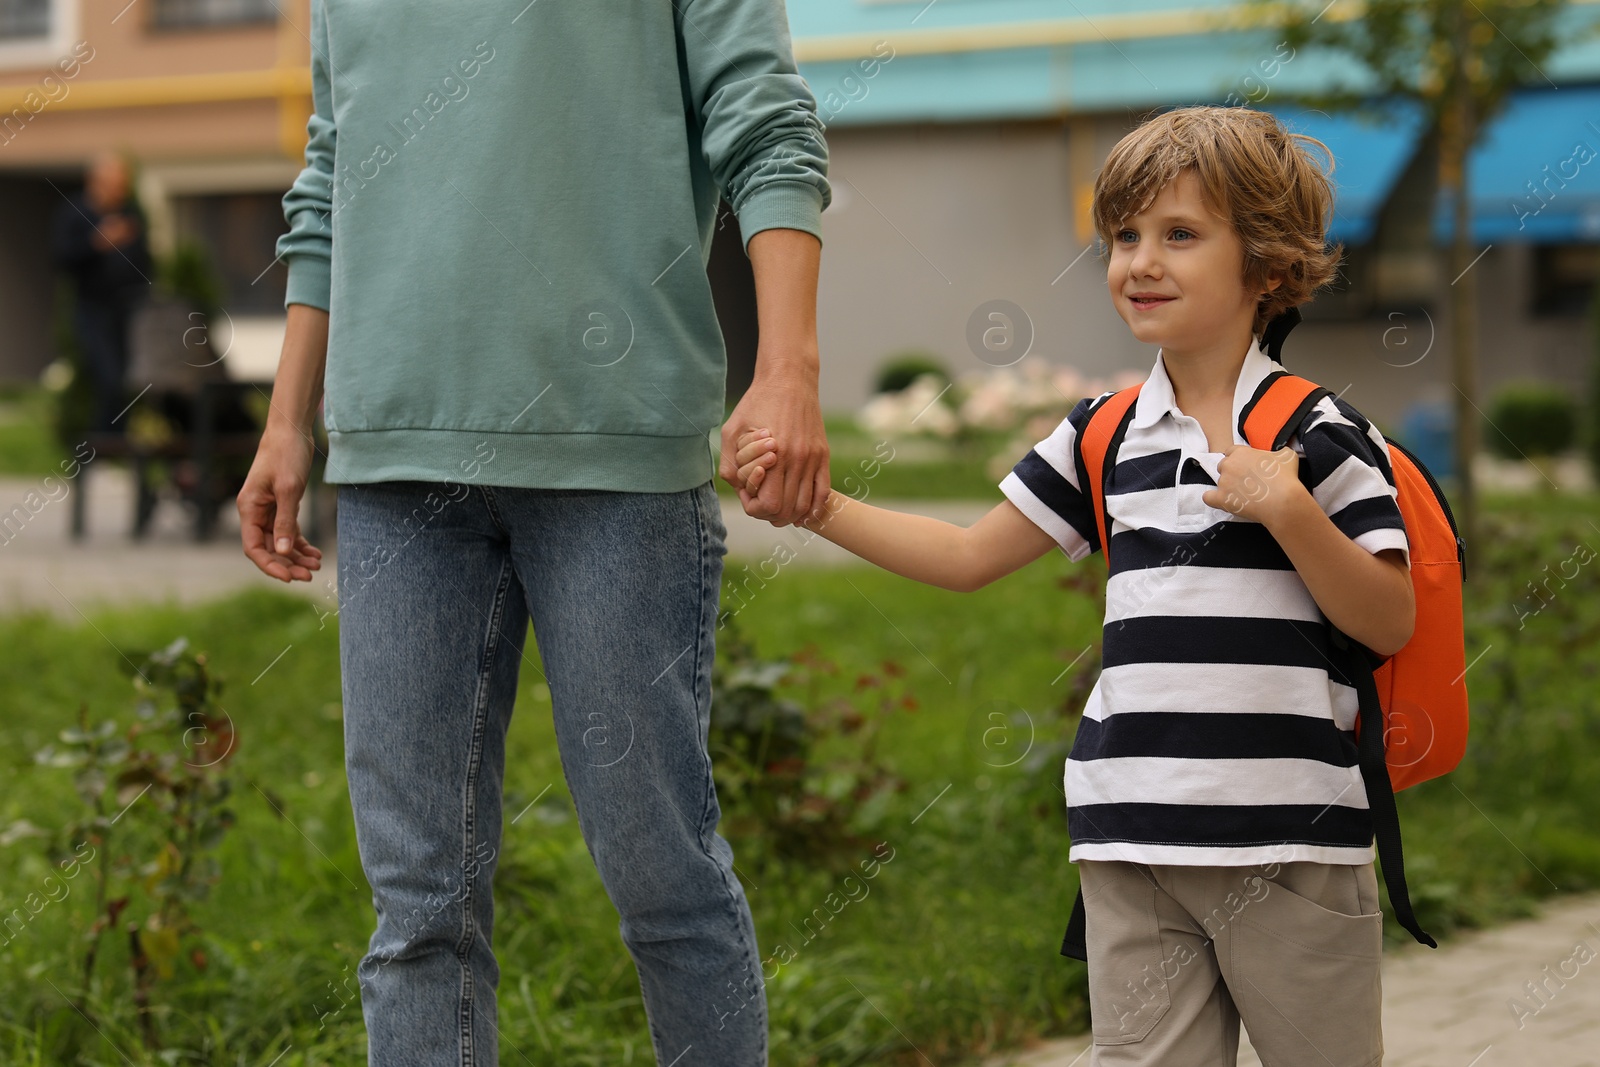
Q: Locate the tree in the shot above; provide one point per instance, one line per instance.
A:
(1458, 61)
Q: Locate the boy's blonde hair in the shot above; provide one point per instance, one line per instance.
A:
(1260, 177)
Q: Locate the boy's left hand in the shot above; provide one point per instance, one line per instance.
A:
(1256, 485)
(757, 453)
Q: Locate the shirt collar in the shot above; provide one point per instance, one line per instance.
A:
(1156, 398)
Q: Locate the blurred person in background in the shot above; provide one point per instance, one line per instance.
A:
(99, 241)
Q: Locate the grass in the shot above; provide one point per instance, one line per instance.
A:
(936, 944)
(28, 445)
(952, 953)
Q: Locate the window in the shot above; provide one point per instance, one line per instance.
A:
(172, 14)
(239, 232)
(24, 18)
(1563, 278)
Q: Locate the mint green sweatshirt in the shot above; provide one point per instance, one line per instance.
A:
(506, 211)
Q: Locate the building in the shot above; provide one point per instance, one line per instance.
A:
(964, 159)
(965, 140)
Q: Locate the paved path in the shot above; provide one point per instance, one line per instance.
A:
(1469, 1004)
(42, 567)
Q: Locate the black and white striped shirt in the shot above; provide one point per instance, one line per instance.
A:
(1221, 731)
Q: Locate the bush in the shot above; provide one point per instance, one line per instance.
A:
(148, 872)
(899, 371)
(1530, 419)
(781, 802)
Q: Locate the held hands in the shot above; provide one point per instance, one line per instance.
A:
(756, 455)
(1260, 486)
(797, 483)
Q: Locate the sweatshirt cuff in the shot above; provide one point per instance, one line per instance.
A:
(782, 206)
(310, 280)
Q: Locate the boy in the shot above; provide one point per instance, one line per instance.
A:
(1217, 813)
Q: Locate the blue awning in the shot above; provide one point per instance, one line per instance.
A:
(1535, 174)
(1368, 155)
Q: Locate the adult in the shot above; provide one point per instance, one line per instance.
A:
(99, 241)
(497, 279)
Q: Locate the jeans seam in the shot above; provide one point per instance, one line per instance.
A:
(699, 654)
(469, 809)
(493, 509)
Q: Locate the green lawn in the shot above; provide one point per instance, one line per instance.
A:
(953, 951)
(28, 445)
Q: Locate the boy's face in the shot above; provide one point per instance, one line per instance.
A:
(1177, 273)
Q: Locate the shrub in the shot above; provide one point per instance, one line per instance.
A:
(148, 871)
(1530, 419)
(900, 370)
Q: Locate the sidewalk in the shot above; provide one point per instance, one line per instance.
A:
(1471, 1003)
(42, 567)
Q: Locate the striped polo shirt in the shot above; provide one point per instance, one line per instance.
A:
(1221, 730)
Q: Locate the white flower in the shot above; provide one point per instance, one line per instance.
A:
(1031, 399)
(882, 416)
(918, 408)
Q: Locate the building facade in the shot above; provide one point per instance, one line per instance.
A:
(965, 138)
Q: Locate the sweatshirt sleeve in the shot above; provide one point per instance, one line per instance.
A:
(758, 120)
(308, 205)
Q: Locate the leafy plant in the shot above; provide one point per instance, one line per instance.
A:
(156, 789)
(187, 273)
(900, 370)
(783, 800)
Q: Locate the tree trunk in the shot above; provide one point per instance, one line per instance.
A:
(1463, 291)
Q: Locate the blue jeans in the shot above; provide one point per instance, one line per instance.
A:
(437, 583)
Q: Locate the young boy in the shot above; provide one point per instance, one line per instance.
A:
(1216, 810)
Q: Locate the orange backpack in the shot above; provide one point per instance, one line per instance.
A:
(1412, 725)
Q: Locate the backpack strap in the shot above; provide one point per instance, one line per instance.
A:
(1274, 414)
(1273, 335)
(1075, 945)
(1380, 790)
(1096, 453)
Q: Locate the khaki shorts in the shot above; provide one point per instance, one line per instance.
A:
(1178, 956)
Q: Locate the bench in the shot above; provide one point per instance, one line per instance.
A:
(207, 448)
